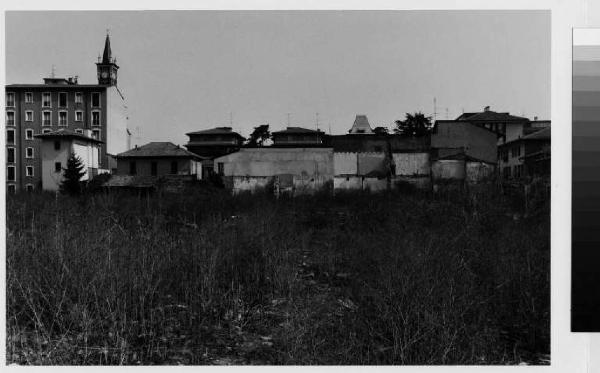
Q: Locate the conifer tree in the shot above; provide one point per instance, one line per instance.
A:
(72, 175)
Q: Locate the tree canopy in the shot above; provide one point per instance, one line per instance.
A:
(259, 135)
(413, 125)
(381, 130)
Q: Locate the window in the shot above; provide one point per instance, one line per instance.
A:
(153, 168)
(46, 118)
(10, 173)
(220, 168)
(28, 97)
(29, 187)
(46, 130)
(57, 167)
(11, 188)
(78, 116)
(96, 134)
(174, 167)
(96, 99)
(10, 99)
(10, 137)
(10, 155)
(56, 144)
(29, 134)
(10, 118)
(62, 118)
(46, 101)
(132, 168)
(79, 130)
(62, 99)
(29, 171)
(95, 118)
(29, 116)
(28, 152)
(78, 97)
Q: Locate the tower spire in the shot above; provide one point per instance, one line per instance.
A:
(106, 56)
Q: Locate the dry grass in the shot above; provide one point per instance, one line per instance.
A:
(207, 278)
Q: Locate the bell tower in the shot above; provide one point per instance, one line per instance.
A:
(107, 66)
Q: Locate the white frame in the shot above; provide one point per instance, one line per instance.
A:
(28, 186)
(66, 118)
(99, 118)
(29, 112)
(27, 173)
(50, 114)
(79, 131)
(25, 98)
(80, 96)
(80, 112)
(14, 97)
(50, 95)
(14, 118)
(94, 131)
(27, 150)
(46, 130)
(14, 138)
(99, 99)
(29, 130)
(8, 148)
(66, 100)
(14, 173)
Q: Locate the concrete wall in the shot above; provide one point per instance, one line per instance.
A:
(371, 162)
(448, 169)
(345, 163)
(477, 142)
(478, 172)
(411, 164)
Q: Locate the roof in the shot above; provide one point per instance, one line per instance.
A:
(462, 156)
(106, 56)
(361, 125)
(490, 116)
(56, 85)
(543, 134)
(67, 134)
(158, 149)
(216, 131)
(297, 130)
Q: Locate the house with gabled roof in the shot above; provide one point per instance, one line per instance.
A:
(298, 136)
(159, 159)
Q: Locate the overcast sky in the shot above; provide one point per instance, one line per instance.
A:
(190, 70)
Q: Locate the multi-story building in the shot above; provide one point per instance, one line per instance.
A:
(60, 103)
(212, 143)
(298, 136)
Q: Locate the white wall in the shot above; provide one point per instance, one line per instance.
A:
(411, 163)
(116, 122)
(345, 163)
(88, 153)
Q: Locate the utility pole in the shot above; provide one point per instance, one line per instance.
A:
(53, 73)
(231, 119)
(288, 119)
(434, 110)
(317, 122)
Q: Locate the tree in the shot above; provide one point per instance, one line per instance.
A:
(259, 135)
(413, 125)
(381, 130)
(72, 175)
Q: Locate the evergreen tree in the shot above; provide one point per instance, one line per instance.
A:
(72, 175)
(259, 135)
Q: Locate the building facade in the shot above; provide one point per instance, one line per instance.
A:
(55, 149)
(297, 136)
(59, 103)
(159, 159)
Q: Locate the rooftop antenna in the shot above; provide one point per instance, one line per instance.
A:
(53, 73)
(317, 121)
(330, 128)
(434, 109)
(138, 134)
(288, 119)
(231, 119)
(446, 113)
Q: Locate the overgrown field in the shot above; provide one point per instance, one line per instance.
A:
(207, 278)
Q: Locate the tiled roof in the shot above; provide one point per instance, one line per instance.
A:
(158, 149)
(65, 86)
(543, 134)
(296, 130)
(491, 116)
(66, 133)
(216, 131)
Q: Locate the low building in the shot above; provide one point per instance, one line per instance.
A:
(159, 159)
(297, 136)
(213, 143)
(293, 170)
(525, 156)
(57, 146)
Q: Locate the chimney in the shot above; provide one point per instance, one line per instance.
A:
(136, 147)
(535, 118)
(87, 132)
(487, 108)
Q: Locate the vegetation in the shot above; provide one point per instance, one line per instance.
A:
(207, 278)
(413, 125)
(259, 135)
(72, 174)
(381, 130)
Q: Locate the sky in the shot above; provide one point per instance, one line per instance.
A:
(183, 71)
